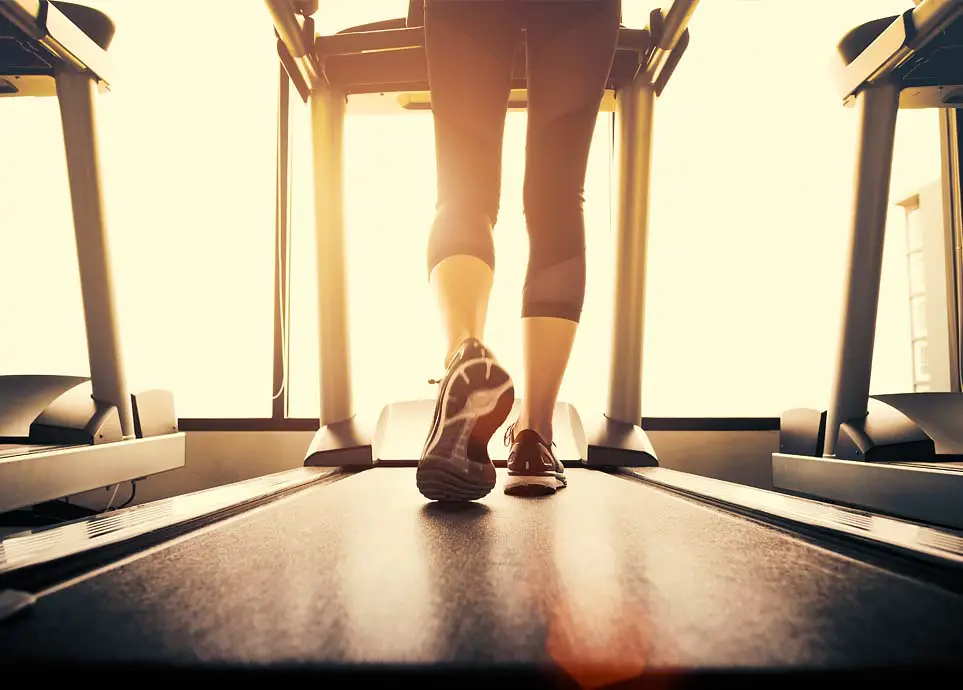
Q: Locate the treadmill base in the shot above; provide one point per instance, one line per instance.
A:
(398, 436)
(929, 493)
(50, 472)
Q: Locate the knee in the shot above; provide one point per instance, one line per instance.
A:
(553, 194)
(555, 281)
(458, 231)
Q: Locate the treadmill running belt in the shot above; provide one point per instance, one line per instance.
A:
(609, 573)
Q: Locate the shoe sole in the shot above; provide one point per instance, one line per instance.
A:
(445, 473)
(534, 485)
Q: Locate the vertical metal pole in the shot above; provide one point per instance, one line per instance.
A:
(953, 225)
(878, 107)
(280, 397)
(327, 125)
(635, 107)
(76, 92)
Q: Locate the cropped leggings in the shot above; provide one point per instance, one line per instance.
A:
(471, 49)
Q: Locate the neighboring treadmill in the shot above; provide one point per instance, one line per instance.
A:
(898, 453)
(61, 435)
(383, 64)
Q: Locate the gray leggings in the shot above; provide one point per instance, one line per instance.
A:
(471, 48)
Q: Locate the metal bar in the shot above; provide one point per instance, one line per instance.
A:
(676, 21)
(281, 252)
(46, 475)
(932, 16)
(673, 27)
(902, 39)
(68, 42)
(50, 29)
(877, 61)
(327, 125)
(23, 14)
(294, 71)
(953, 224)
(635, 106)
(297, 40)
(874, 161)
(356, 42)
(288, 27)
(76, 92)
(661, 78)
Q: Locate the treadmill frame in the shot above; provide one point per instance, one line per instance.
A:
(78, 69)
(887, 459)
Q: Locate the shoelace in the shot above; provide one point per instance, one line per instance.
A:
(509, 435)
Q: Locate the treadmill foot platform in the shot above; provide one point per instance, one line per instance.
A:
(399, 434)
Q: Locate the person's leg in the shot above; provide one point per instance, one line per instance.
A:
(570, 52)
(470, 51)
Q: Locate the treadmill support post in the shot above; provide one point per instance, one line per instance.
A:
(878, 106)
(327, 126)
(75, 93)
(616, 438)
(635, 107)
(341, 439)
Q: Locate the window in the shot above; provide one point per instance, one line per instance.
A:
(751, 199)
(188, 162)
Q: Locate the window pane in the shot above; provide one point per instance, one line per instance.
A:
(921, 363)
(40, 304)
(187, 152)
(918, 307)
(752, 195)
(914, 226)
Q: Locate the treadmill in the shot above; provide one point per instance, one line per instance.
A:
(900, 454)
(381, 67)
(641, 576)
(59, 434)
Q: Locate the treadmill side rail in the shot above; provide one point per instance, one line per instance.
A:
(49, 474)
(896, 453)
(69, 433)
(929, 494)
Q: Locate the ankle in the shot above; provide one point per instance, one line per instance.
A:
(542, 428)
(454, 346)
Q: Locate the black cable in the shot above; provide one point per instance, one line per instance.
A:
(133, 493)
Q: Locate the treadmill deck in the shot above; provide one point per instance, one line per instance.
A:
(609, 574)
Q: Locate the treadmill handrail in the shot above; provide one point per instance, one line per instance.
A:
(673, 27)
(295, 47)
(50, 28)
(676, 22)
(288, 27)
(656, 62)
(902, 39)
